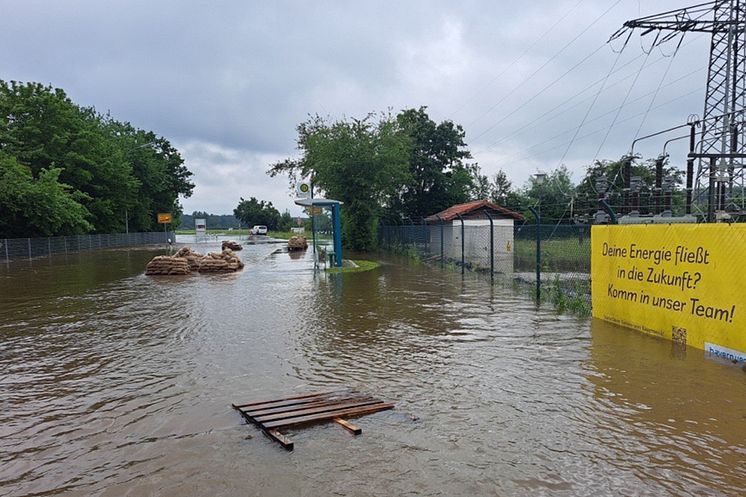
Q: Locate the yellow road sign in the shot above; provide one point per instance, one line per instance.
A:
(164, 218)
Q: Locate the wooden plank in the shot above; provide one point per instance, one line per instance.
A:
(354, 429)
(288, 403)
(317, 410)
(280, 438)
(355, 411)
(296, 397)
(248, 418)
(298, 407)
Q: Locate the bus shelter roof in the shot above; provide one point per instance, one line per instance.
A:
(317, 202)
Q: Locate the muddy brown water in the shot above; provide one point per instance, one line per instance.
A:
(113, 384)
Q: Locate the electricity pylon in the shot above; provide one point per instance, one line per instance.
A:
(723, 128)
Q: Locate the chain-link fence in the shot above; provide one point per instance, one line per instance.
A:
(29, 248)
(551, 259)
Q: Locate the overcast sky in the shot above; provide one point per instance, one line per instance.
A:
(228, 81)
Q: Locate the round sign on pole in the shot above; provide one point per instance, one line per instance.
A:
(304, 190)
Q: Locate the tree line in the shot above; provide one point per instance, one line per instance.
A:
(254, 212)
(401, 168)
(214, 221)
(67, 169)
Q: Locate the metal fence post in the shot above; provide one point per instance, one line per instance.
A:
(423, 236)
(463, 243)
(49, 246)
(492, 245)
(7, 259)
(29, 247)
(442, 245)
(538, 253)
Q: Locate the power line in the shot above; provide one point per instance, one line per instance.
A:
(538, 94)
(546, 63)
(500, 121)
(515, 158)
(600, 116)
(590, 107)
(660, 83)
(545, 113)
(511, 65)
(613, 122)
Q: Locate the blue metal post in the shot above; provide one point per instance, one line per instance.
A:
(313, 223)
(337, 234)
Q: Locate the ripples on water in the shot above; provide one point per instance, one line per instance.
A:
(117, 384)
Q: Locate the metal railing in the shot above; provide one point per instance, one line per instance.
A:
(30, 248)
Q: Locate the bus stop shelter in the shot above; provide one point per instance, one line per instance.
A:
(336, 222)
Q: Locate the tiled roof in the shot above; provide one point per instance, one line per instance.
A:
(452, 212)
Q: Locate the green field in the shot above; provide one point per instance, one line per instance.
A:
(557, 255)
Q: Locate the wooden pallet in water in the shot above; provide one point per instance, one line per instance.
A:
(274, 415)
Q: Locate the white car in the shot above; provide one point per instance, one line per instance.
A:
(259, 229)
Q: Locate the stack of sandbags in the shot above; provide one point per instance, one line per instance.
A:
(297, 243)
(192, 258)
(229, 244)
(223, 262)
(165, 264)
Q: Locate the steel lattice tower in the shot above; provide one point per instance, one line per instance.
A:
(722, 124)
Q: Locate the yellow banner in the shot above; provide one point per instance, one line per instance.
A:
(683, 282)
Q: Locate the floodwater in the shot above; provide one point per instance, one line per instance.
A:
(114, 384)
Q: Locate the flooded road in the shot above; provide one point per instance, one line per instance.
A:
(113, 384)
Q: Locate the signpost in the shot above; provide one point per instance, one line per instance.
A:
(165, 219)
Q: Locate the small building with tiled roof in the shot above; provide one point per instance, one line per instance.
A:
(471, 221)
(474, 210)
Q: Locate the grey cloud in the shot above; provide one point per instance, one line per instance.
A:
(228, 81)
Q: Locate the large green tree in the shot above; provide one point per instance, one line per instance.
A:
(438, 175)
(553, 194)
(503, 193)
(158, 171)
(41, 206)
(119, 174)
(362, 162)
(254, 212)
